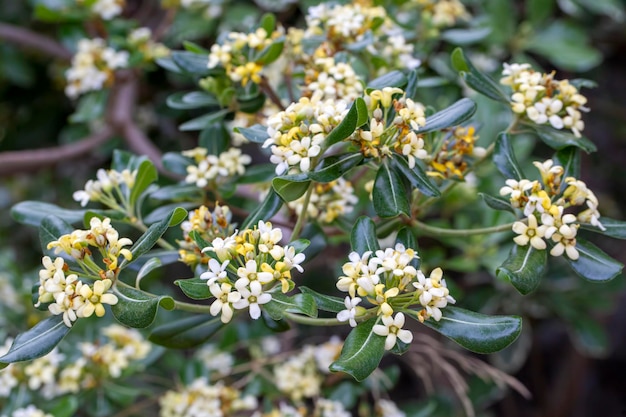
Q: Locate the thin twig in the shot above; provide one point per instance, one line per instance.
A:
(31, 40)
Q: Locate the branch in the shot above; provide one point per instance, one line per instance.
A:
(29, 160)
(31, 40)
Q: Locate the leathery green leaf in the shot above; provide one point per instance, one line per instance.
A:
(291, 187)
(146, 175)
(186, 333)
(356, 117)
(497, 203)
(416, 176)
(256, 133)
(476, 79)
(194, 288)
(36, 341)
(560, 139)
(52, 227)
(569, 159)
(268, 208)
(614, 228)
(389, 195)
(477, 332)
(363, 236)
(33, 212)
(593, 264)
(150, 265)
(137, 309)
(299, 303)
(155, 231)
(391, 79)
(362, 351)
(453, 115)
(325, 302)
(504, 158)
(524, 268)
(334, 166)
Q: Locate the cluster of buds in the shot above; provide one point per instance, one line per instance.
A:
(252, 263)
(544, 204)
(62, 287)
(200, 398)
(389, 280)
(542, 99)
(105, 9)
(328, 201)
(211, 169)
(337, 80)
(208, 225)
(93, 67)
(452, 159)
(380, 139)
(442, 13)
(240, 54)
(141, 40)
(110, 187)
(297, 134)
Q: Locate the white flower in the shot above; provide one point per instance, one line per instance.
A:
(224, 299)
(349, 314)
(216, 272)
(223, 248)
(293, 260)
(392, 330)
(250, 273)
(252, 298)
(530, 232)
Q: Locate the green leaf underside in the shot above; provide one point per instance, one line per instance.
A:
(194, 288)
(325, 302)
(497, 203)
(150, 265)
(524, 268)
(356, 117)
(256, 133)
(363, 236)
(137, 309)
(416, 176)
(291, 187)
(389, 195)
(33, 212)
(593, 264)
(476, 332)
(453, 115)
(391, 79)
(155, 231)
(476, 79)
(362, 351)
(334, 166)
(200, 123)
(268, 208)
(504, 158)
(614, 228)
(186, 333)
(37, 341)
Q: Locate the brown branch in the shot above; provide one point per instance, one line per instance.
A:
(13, 162)
(270, 93)
(31, 40)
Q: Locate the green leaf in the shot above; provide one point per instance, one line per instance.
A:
(51, 229)
(258, 174)
(325, 302)
(497, 203)
(268, 23)
(149, 266)
(160, 212)
(66, 406)
(90, 107)
(265, 211)
(178, 192)
(391, 79)
(315, 234)
(476, 332)
(198, 239)
(200, 123)
(146, 175)
(186, 333)
(356, 117)
(524, 268)
(389, 195)
(36, 341)
(589, 336)
(335, 166)
(299, 245)
(614, 228)
(453, 115)
(560, 139)
(465, 36)
(274, 325)
(191, 100)
(476, 79)
(155, 231)
(569, 159)
(271, 52)
(136, 308)
(362, 351)
(291, 187)
(537, 11)
(504, 158)
(33, 213)
(416, 176)
(593, 264)
(176, 163)
(191, 63)
(194, 288)
(413, 82)
(363, 236)
(214, 138)
(255, 134)
(299, 303)
(407, 238)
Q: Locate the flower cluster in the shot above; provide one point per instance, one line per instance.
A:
(378, 140)
(209, 225)
(389, 280)
(299, 377)
(327, 201)
(544, 203)
(241, 55)
(105, 9)
(140, 40)
(344, 24)
(542, 99)
(296, 135)
(199, 398)
(452, 158)
(30, 411)
(442, 13)
(93, 67)
(252, 262)
(337, 80)
(209, 169)
(110, 187)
